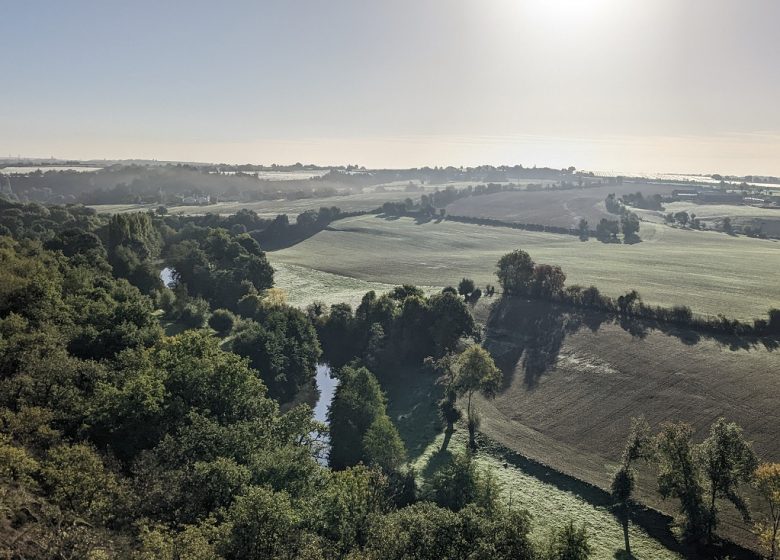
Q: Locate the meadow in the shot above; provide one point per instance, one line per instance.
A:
(709, 271)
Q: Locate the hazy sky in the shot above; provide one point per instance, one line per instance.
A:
(625, 85)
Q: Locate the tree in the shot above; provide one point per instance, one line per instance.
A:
(359, 423)
(461, 483)
(727, 227)
(584, 231)
(569, 543)
(547, 281)
(222, 321)
(514, 272)
(682, 218)
(465, 287)
(262, 524)
(679, 476)
(728, 460)
(383, 446)
(767, 482)
(475, 372)
(638, 446)
(630, 224)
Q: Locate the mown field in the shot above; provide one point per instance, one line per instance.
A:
(572, 386)
(563, 208)
(711, 272)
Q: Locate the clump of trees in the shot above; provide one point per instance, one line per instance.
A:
(699, 476)
(401, 327)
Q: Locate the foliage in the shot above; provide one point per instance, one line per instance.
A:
(767, 481)
(360, 429)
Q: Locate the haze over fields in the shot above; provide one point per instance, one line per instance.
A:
(622, 87)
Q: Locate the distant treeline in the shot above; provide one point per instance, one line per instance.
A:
(169, 183)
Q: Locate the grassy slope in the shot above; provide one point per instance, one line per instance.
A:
(550, 505)
(711, 272)
(573, 412)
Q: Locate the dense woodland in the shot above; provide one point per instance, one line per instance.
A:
(120, 441)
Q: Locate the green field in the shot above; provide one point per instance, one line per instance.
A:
(711, 272)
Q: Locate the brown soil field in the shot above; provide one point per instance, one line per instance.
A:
(562, 208)
(572, 383)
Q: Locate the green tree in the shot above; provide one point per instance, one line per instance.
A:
(465, 287)
(514, 272)
(357, 404)
(262, 524)
(382, 445)
(638, 446)
(569, 543)
(222, 321)
(767, 482)
(679, 476)
(475, 372)
(727, 460)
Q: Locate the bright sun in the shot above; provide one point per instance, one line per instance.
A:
(562, 11)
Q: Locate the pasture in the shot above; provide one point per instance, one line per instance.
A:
(562, 208)
(572, 385)
(711, 272)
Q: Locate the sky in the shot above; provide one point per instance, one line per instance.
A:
(684, 86)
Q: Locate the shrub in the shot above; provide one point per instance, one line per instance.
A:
(222, 321)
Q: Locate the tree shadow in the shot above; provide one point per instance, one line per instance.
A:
(528, 335)
(412, 397)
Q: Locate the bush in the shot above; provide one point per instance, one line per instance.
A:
(194, 312)
(222, 321)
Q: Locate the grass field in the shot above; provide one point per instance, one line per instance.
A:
(570, 391)
(563, 208)
(711, 272)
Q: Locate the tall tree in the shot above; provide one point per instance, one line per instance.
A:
(638, 446)
(679, 476)
(767, 482)
(727, 460)
(475, 372)
(514, 272)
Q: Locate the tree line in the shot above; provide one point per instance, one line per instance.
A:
(519, 275)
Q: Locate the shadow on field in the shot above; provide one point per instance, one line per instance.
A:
(412, 397)
(528, 335)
